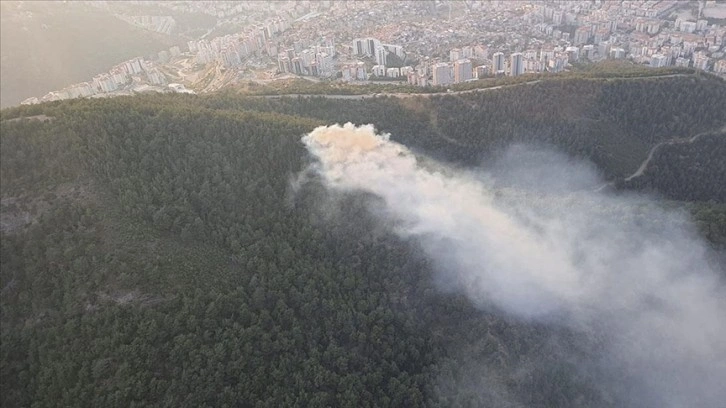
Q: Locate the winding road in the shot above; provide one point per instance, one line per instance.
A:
(644, 165)
(652, 151)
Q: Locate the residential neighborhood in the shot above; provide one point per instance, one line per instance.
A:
(426, 43)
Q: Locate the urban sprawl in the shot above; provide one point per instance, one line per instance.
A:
(422, 43)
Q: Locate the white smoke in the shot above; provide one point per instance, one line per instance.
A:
(533, 244)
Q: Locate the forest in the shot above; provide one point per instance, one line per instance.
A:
(155, 253)
(611, 122)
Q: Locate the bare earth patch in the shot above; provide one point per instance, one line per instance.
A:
(41, 118)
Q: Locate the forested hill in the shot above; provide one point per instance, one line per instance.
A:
(690, 169)
(612, 122)
(155, 253)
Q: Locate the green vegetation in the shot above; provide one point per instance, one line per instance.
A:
(154, 252)
(613, 70)
(688, 171)
(612, 122)
(306, 87)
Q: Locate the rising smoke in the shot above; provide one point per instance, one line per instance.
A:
(530, 240)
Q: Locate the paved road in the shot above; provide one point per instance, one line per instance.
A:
(651, 152)
(425, 95)
(644, 165)
(41, 118)
(397, 94)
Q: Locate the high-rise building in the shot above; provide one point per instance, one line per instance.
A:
(573, 53)
(270, 49)
(412, 78)
(455, 54)
(395, 49)
(603, 49)
(365, 46)
(546, 54)
(617, 53)
(136, 65)
(557, 64)
(701, 25)
(307, 56)
(381, 54)
(700, 61)
(372, 45)
(324, 64)
(481, 71)
(297, 65)
(80, 90)
(658, 60)
(104, 83)
(230, 57)
(298, 45)
(588, 51)
(516, 64)
(119, 76)
(683, 62)
(720, 67)
(441, 74)
(406, 70)
(360, 71)
(154, 76)
(358, 46)
(601, 35)
(346, 73)
(462, 70)
(497, 63)
(582, 35)
(533, 65)
(688, 26)
(283, 63)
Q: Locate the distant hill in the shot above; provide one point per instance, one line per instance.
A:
(154, 251)
(47, 45)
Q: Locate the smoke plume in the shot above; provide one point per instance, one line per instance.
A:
(529, 240)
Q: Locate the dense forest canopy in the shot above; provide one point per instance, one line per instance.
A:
(610, 122)
(156, 250)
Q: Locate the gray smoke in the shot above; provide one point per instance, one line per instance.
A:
(529, 240)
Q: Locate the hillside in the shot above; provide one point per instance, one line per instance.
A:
(42, 52)
(611, 121)
(686, 169)
(157, 250)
